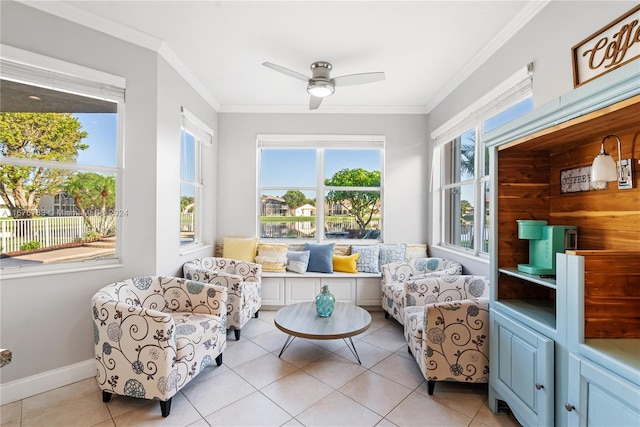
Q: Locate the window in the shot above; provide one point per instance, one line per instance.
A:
(60, 167)
(195, 137)
(320, 187)
(461, 164)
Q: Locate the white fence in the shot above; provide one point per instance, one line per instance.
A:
(47, 231)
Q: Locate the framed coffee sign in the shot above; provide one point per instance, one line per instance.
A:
(607, 49)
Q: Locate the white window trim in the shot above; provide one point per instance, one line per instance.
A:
(514, 89)
(292, 141)
(38, 70)
(203, 135)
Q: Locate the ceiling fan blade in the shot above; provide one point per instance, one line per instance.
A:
(286, 71)
(358, 79)
(314, 102)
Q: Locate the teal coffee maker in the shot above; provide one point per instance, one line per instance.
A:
(545, 241)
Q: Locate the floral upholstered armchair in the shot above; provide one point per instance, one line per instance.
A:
(447, 327)
(153, 335)
(394, 276)
(242, 279)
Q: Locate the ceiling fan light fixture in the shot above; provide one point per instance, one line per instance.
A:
(320, 89)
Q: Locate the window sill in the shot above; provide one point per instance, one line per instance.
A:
(22, 272)
(461, 253)
(191, 249)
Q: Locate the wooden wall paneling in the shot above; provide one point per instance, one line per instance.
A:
(510, 287)
(523, 193)
(612, 294)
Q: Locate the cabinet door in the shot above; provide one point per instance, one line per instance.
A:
(598, 397)
(301, 289)
(273, 291)
(522, 365)
(343, 289)
(368, 292)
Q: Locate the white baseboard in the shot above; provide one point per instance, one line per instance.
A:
(30, 386)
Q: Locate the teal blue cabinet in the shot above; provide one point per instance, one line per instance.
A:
(524, 372)
(599, 398)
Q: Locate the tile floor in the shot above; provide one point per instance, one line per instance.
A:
(315, 383)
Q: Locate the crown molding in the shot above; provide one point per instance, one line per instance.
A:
(90, 20)
(499, 40)
(304, 109)
(68, 12)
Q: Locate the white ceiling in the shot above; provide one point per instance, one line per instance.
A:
(425, 48)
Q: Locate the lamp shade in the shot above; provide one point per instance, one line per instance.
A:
(604, 168)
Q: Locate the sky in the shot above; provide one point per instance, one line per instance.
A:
(102, 139)
(297, 167)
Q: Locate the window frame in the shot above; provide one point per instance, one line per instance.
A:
(203, 138)
(514, 90)
(320, 143)
(33, 69)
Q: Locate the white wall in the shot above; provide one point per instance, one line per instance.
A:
(406, 166)
(46, 320)
(546, 41)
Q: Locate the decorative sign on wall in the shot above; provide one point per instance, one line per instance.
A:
(607, 49)
(578, 179)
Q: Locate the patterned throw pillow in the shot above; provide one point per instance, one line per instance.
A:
(321, 257)
(272, 256)
(297, 261)
(392, 252)
(369, 260)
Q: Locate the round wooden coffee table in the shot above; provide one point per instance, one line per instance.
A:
(301, 320)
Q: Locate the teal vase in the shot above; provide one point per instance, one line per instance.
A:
(325, 302)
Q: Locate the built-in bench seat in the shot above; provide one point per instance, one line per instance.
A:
(283, 288)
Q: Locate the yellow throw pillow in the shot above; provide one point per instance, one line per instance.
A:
(240, 248)
(346, 264)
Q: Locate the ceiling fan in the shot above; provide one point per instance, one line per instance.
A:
(321, 85)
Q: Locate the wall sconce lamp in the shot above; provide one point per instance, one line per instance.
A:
(604, 168)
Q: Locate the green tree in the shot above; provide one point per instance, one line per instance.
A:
(94, 195)
(465, 209)
(363, 205)
(186, 203)
(468, 154)
(294, 199)
(36, 136)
